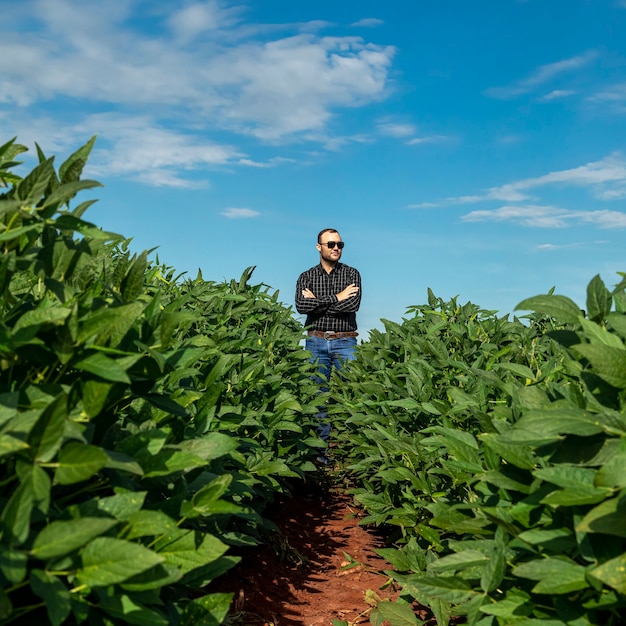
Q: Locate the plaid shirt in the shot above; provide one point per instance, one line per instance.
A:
(325, 312)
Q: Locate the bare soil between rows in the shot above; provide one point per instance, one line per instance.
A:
(322, 567)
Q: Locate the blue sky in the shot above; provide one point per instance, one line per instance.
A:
(476, 148)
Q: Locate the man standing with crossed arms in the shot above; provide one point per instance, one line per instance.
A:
(329, 294)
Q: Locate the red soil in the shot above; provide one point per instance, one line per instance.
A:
(322, 568)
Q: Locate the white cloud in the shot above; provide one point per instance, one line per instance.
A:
(605, 178)
(367, 22)
(201, 62)
(427, 139)
(270, 89)
(614, 96)
(557, 94)
(202, 18)
(391, 129)
(539, 216)
(237, 214)
(543, 75)
(139, 148)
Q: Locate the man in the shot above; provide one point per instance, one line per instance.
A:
(330, 295)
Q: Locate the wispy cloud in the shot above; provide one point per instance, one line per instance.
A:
(426, 139)
(606, 179)
(539, 216)
(368, 22)
(543, 75)
(391, 129)
(613, 96)
(558, 94)
(238, 214)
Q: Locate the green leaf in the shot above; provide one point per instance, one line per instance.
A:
(607, 362)
(523, 371)
(209, 610)
(555, 576)
(107, 561)
(457, 561)
(599, 299)
(72, 167)
(613, 472)
(129, 611)
(11, 445)
(16, 514)
(133, 282)
(46, 437)
(516, 604)
(494, 570)
(448, 588)
(561, 421)
(44, 314)
(599, 334)
(95, 395)
(613, 573)
(170, 461)
(560, 308)
(148, 524)
(210, 446)
(608, 518)
(54, 593)
(617, 321)
(122, 506)
(396, 613)
(13, 564)
(103, 366)
(78, 462)
(188, 550)
(109, 326)
(62, 537)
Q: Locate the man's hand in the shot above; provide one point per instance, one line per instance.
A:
(307, 293)
(348, 292)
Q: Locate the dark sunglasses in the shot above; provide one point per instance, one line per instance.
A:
(332, 244)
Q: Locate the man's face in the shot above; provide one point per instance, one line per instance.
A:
(329, 254)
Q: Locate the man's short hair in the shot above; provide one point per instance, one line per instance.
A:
(326, 230)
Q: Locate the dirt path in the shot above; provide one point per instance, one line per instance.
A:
(303, 579)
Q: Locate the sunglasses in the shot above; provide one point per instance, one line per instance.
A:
(332, 244)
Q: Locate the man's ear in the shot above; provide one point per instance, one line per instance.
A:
(318, 247)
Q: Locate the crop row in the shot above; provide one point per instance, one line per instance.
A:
(495, 450)
(147, 420)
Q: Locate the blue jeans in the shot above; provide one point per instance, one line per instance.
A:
(329, 353)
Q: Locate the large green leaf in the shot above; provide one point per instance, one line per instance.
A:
(62, 537)
(188, 550)
(107, 561)
(560, 308)
(561, 421)
(598, 299)
(554, 576)
(78, 462)
(104, 367)
(210, 446)
(608, 518)
(607, 362)
(451, 589)
(395, 613)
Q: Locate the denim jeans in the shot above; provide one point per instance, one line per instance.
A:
(329, 353)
